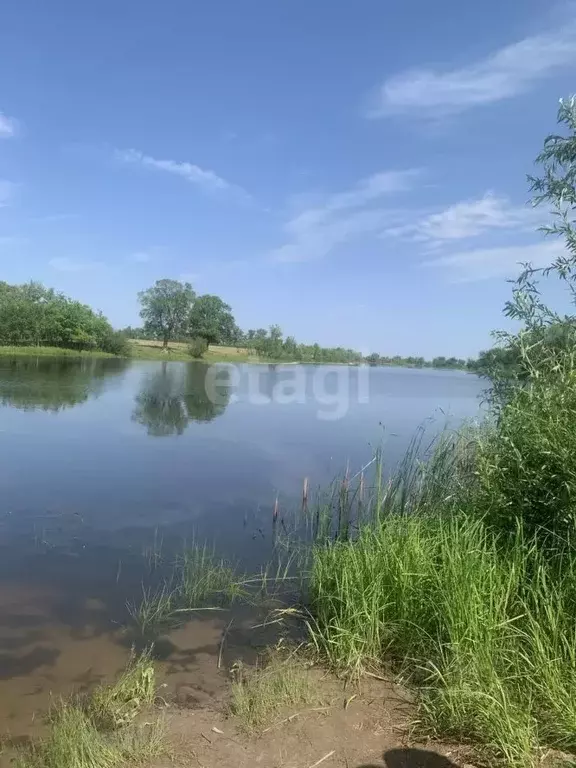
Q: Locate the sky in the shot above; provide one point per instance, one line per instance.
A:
(353, 171)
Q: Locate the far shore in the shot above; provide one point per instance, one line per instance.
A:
(176, 351)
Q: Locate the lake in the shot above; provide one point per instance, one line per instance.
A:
(100, 460)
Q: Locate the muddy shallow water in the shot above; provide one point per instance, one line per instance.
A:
(103, 462)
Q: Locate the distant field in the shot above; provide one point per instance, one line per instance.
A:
(153, 350)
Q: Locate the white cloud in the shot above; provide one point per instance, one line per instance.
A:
(316, 230)
(470, 218)
(485, 263)
(8, 126)
(64, 264)
(503, 74)
(205, 179)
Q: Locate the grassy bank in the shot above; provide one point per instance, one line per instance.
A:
(144, 350)
(460, 575)
(50, 352)
(153, 350)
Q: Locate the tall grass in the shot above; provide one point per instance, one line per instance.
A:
(462, 576)
(487, 632)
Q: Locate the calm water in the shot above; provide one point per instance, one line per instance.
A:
(99, 458)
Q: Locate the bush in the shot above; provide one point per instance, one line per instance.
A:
(116, 343)
(527, 466)
(197, 347)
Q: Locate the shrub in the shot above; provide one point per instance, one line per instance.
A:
(527, 466)
(197, 347)
(116, 343)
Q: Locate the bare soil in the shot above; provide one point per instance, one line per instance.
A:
(358, 727)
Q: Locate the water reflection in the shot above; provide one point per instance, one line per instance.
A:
(176, 395)
(54, 384)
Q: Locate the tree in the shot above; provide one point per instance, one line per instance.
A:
(166, 309)
(212, 319)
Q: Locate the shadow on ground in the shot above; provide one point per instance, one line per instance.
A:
(413, 758)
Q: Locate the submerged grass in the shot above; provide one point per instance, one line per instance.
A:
(198, 580)
(201, 576)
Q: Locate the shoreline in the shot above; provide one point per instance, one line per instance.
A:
(151, 352)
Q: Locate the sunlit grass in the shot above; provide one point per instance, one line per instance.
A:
(101, 730)
(260, 694)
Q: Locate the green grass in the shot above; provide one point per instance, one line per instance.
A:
(199, 581)
(50, 352)
(178, 351)
(113, 706)
(101, 730)
(481, 620)
(200, 576)
(260, 695)
(153, 613)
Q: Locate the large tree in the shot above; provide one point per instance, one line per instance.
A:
(166, 309)
(212, 319)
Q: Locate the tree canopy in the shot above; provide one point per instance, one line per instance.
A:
(212, 319)
(166, 309)
(31, 314)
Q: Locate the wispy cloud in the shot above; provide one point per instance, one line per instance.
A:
(468, 219)
(206, 179)
(503, 74)
(316, 230)
(485, 263)
(8, 126)
(64, 264)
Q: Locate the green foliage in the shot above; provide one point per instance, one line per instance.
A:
(115, 706)
(527, 467)
(31, 315)
(100, 731)
(197, 347)
(483, 626)
(166, 309)
(115, 342)
(420, 362)
(200, 576)
(212, 319)
(261, 694)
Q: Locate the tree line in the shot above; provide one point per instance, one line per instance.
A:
(33, 315)
(171, 311)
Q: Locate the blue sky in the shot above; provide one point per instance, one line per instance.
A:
(355, 172)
